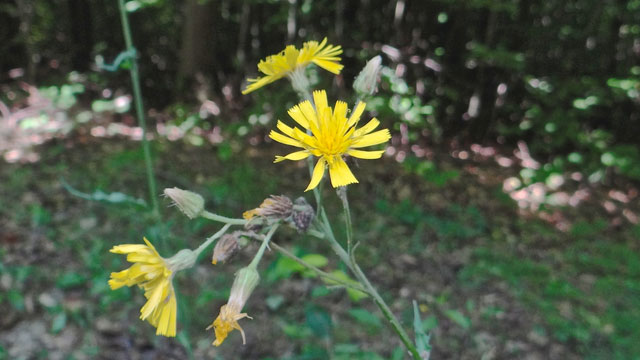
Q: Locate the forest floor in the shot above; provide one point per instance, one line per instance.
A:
(549, 272)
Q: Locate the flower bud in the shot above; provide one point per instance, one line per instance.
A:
(367, 81)
(190, 203)
(302, 215)
(226, 247)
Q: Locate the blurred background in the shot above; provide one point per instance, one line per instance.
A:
(506, 204)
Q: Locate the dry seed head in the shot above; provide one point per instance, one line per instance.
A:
(226, 248)
(275, 207)
(302, 215)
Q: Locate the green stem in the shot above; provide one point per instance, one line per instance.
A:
(347, 219)
(223, 219)
(362, 278)
(137, 94)
(211, 239)
(320, 273)
(335, 245)
(265, 243)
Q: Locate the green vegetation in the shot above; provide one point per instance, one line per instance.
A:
(506, 205)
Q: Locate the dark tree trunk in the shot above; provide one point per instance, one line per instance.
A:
(81, 28)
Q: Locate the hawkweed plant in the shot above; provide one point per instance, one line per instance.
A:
(324, 136)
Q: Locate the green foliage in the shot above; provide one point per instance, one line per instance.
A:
(419, 328)
(598, 319)
(369, 320)
(429, 171)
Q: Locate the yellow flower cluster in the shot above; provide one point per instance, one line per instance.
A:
(330, 133)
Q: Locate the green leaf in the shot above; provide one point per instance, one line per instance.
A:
(59, 322)
(457, 317)
(295, 331)
(422, 339)
(365, 317)
(316, 260)
(283, 268)
(354, 295)
(16, 299)
(318, 320)
(430, 323)
(101, 196)
(274, 301)
(70, 280)
(319, 291)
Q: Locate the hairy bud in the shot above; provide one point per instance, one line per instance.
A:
(190, 203)
(367, 81)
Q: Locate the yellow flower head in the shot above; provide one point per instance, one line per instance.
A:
(244, 283)
(152, 273)
(332, 135)
(226, 321)
(277, 66)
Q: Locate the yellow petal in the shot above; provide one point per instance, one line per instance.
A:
(284, 128)
(298, 155)
(378, 137)
(166, 325)
(284, 139)
(340, 109)
(320, 100)
(128, 248)
(340, 173)
(368, 127)
(152, 303)
(357, 112)
(366, 154)
(297, 115)
(318, 172)
(328, 65)
(309, 113)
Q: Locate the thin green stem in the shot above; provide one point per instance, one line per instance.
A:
(397, 327)
(320, 273)
(223, 219)
(137, 94)
(211, 239)
(362, 278)
(265, 243)
(335, 245)
(347, 219)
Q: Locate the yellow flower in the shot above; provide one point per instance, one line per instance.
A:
(153, 274)
(226, 321)
(244, 283)
(277, 66)
(331, 136)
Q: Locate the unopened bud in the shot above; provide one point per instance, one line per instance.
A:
(302, 215)
(183, 259)
(226, 247)
(190, 203)
(367, 81)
